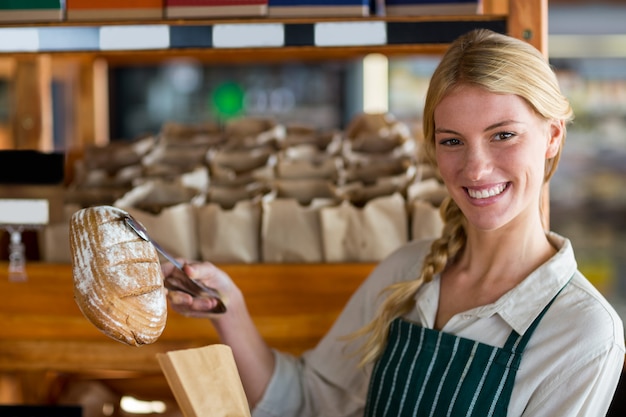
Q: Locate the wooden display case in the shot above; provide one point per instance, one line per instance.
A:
(45, 339)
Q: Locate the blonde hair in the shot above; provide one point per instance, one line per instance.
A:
(502, 65)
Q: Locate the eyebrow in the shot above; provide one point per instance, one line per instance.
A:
(488, 128)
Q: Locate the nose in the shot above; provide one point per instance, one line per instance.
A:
(477, 162)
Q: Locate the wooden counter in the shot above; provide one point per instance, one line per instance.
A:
(44, 332)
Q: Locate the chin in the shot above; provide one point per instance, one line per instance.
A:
(486, 222)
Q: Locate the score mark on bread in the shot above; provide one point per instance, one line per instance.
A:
(118, 282)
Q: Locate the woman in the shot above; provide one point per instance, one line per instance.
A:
(492, 318)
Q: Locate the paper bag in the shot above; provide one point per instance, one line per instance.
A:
(290, 231)
(319, 166)
(239, 161)
(174, 224)
(430, 190)
(426, 222)
(54, 241)
(175, 228)
(205, 381)
(424, 198)
(376, 133)
(367, 234)
(230, 235)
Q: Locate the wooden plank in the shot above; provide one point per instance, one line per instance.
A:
(528, 20)
(43, 329)
(500, 7)
(32, 104)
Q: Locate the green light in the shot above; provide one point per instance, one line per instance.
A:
(227, 99)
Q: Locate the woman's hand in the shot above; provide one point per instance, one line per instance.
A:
(209, 275)
(255, 360)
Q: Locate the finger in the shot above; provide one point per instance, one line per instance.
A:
(204, 304)
(167, 268)
(202, 310)
(179, 298)
(186, 304)
(200, 269)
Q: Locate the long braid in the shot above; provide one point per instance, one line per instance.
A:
(400, 296)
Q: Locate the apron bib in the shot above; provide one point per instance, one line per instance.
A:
(427, 373)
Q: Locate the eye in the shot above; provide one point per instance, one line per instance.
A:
(503, 135)
(449, 142)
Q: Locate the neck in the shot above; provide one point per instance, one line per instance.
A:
(491, 256)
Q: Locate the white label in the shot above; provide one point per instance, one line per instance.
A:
(350, 33)
(248, 35)
(19, 40)
(23, 211)
(134, 37)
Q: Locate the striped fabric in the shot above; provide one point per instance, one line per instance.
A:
(427, 373)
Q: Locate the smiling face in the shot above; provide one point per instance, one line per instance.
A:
(491, 151)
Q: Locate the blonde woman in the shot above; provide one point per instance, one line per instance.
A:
(491, 319)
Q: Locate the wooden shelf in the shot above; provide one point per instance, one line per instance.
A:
(44, 333)
(285, 39)
(293, 305)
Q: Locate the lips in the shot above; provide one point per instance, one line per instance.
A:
(486, 192)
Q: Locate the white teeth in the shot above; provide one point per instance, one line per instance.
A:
(490, 192)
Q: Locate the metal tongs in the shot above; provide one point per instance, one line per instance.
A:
(176, 283)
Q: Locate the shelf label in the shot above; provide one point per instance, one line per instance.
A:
(244, 35)
(69, 38)
(24, 211)
(350, 33)
(19, 40)
(134, 37)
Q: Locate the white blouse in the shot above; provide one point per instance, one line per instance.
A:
(570, 367)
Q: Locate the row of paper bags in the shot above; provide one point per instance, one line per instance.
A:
(270, 228)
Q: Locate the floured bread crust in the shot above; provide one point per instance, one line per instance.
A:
(118, 282)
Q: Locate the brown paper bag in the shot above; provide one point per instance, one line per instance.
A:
(54, 240)
(376, 133)
(168, 211)
(290, 231)
(424, 198)
(430, 190)
(369, 170)
(426, 222)
(117, 154)
(230, 235)
(310, 138)
(367, 234)
(175, 228)
(290, 226)
(304, 191)
(239, 161)
(205, 381)
(318, 166)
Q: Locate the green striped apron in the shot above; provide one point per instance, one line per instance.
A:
(425, 372)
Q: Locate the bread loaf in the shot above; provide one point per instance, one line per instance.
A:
(118, 282)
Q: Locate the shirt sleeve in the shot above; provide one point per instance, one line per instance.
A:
(589, 359)
(327, 380)
(586, 392)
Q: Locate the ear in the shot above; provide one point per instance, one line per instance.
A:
(557, 130)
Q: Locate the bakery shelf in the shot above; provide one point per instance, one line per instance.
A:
(228, 38)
